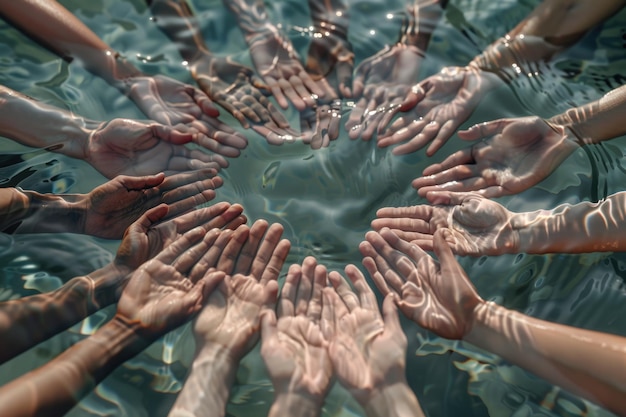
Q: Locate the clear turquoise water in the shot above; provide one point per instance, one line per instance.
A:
(326, 200)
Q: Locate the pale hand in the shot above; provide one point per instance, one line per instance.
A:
(438, 297)
(477, 226)
(382, 83)
(514, 155)
(112, 207)
(185, 107)
(293, 347)
(279, 66)
(160, 296)
(367, 351)
(435, 108)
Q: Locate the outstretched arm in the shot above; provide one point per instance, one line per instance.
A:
(161, 98)
(440, 297)
(161, 295)
(444, 101)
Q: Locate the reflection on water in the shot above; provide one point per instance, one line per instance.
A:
(326, 200)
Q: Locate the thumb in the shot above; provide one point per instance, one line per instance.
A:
(141, 183)
(268, 324)
(443, 250)
(416, 95)
(149, 218)
(390, 315)
(170, 134)
(483, 130)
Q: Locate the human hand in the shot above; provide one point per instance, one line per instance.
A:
(477, 226)
(320, 124)
(330, 61)
(236, 88)
(130, 147)
(436, 295)
(367, 351)
(279, 66)
(293, 347)
(435, 108)
(514, 155)
(382, 82)
(185, 107)
(160, 295)
(231, 316)
(150, 234)
(110, 208)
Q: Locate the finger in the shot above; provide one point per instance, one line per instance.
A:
(270, 294)
(465, 186)
(211, 257)
(341, 286)
(199, 217)
(237, 114)
(445, 132)
(265, 252)
(228, 257)
(302, 91)
(354, 124)
(365, 293)
(289, 92)
(148, 219)
(445, 178)
(391, 318)
(305, 288)
(484, 130)
(272, 271)
(403, 224)
(272, 137)
(418, 142)
(327, 324)
(421, 212)
(180, 245)
(287, 301)
(200, 268)
(186, 261)
(416, 95)
(269, 330)
(141, 183)
(249, 250)
(277, 92)
(462, 157)
(378, 249)
(314, 311)
(377, 277)
(404, 129)
(344, 78)
(211, 280)
(359, 81)
(205, 103)
(170, 134)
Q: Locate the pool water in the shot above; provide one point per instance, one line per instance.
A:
(326, 200)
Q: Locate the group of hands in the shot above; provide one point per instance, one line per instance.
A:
(207, 264)
(507, 156)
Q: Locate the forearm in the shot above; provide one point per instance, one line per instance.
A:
(56, 129)
(553, 351)
(332, 15)
(54, 26)
(42, 213)
(30, 320)
(176, 19)
(292, 404)
(550, 27)
(422, 18)
(396, 400)
(56, 387)
(207, 388)
(251, 17)
(597, 121)
(580, 228)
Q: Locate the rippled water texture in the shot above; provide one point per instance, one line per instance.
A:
(326, 200)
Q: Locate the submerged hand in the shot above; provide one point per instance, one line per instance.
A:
(477, 226)
(231, 316)
(112, 207)
(320, 125)
(160, 295)
(439, 298)
(382, 82)
(279, 66)
(330, 61)
(518, 154)
(436, 107)
(293, 347)
(173, 103)
(130, 147)
(237, 89)
(367, 351)
(150, 234)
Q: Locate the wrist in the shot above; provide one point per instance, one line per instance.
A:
(392, 400)
(109, 282)
(295, 404)
(52, 213)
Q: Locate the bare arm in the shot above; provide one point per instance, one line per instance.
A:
(552, 26)
(554, 351)
(580, 228)
(30, 320)
(65, 34)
